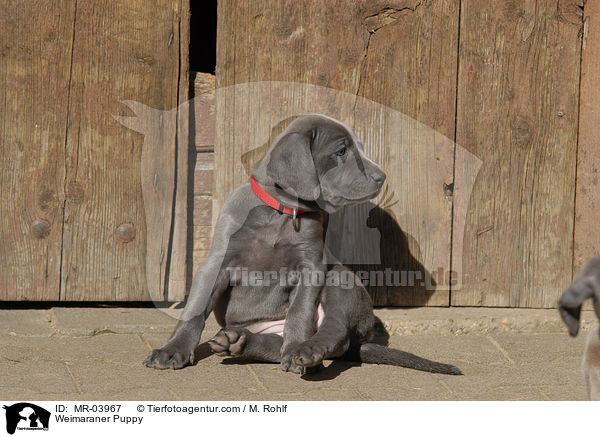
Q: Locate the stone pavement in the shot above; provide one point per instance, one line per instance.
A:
(97, 353)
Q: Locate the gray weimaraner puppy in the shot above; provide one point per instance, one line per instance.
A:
(585, 286)
(276, 223)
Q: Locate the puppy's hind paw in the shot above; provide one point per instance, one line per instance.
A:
(229, 342)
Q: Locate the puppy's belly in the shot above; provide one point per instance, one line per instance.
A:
(276, 326)
(267, 327)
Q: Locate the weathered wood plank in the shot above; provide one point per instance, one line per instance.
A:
(410, 66)
(122, 51)
(202, 218)
(157, 176)
(587, 198)
(399, 53)
(178, 261)
(35, 54)
(202, 137)
(203, 120)
(517, 111)
(204, 174)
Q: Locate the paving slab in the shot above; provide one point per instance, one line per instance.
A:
(92, 321)
(558, 393)
(32, 323)
(120, 349)
(36, 377)
(479, 321)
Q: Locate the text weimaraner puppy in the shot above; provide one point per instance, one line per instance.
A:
(585, 286)
(276, 223)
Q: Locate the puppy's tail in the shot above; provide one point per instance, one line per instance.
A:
(378, 354)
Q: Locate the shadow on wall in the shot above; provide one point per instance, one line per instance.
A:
(367, 239)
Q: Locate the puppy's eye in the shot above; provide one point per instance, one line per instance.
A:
(341, 152)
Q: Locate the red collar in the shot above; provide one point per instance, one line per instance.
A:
(271, 201)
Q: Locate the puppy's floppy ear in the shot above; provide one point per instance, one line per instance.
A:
(292, 167)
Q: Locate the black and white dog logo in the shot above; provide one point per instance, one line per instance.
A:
(26, 416)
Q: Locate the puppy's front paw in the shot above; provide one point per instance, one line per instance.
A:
(288, 365)
(229, 342)
(166, 358)
(308, 354)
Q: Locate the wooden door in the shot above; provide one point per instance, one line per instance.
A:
(92, 205)
(518, 97)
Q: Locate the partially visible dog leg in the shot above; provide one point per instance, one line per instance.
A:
(330, 341)
(585, 286)
(591, 364)
(210, 280)
(332, 338)
(300, 317)
(178, 351)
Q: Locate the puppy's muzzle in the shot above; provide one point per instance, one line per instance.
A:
(379, 178)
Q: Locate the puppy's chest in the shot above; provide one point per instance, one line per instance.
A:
(268, 240)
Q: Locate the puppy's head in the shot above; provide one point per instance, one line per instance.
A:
(318, 158)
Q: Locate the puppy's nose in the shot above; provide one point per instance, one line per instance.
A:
(378, 177)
